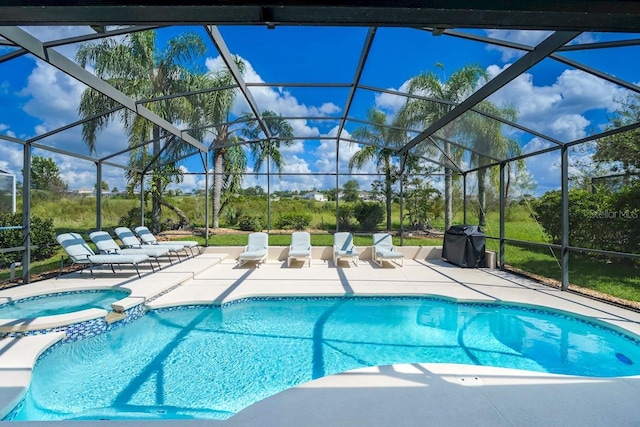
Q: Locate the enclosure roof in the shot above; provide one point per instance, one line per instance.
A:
(580, 15)
(371, 41)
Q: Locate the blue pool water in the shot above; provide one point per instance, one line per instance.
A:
(59, 303)
(211, 362)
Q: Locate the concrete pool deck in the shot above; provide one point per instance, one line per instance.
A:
(398, 395)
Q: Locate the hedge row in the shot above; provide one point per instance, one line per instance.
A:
(597, 219)
(42, 236)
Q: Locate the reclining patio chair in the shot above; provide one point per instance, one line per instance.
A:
(343, 247)
(106, 245)
(148, 238)
(256, 249)
(81, 253)
(300, 247)
(383, 249)
(130, 241)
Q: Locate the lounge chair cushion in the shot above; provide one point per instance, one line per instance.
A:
(385, 254)
(255, 254)
(343, 247)
(148, 238)
(383, 248)
(106, 245)
(347, 253)
(118, 259)
(80, 252)
(299, 253)
(127, 237)
(256, 249)
(300, 244)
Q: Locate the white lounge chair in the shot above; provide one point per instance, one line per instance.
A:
(106, 245)
(300, 247)
(81, 253)
(130, 241)
(383, 250)
(148, 238)
(256, 249)
(343, 248)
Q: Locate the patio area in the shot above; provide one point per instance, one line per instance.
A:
(399, 395)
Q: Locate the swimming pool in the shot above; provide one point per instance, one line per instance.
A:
(60, 303)
(211, 362)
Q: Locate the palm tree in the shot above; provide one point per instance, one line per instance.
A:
(380, 136)
(263, 149)
(280, 132)
(424, 112)
(229, 159)
(485, 136)
(137, 68)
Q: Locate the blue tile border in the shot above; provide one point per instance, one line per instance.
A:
(81, 330)
(503, 305)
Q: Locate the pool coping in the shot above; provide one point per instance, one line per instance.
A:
(141, 290)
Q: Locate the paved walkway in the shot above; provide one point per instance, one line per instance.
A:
(399, 395)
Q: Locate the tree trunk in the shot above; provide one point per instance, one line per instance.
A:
(218, 164)
(507, 185)
(157, 184)
(448, 188)
(387, 190)
(184, 221)
(482, 197)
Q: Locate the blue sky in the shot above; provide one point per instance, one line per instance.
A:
(552, 98)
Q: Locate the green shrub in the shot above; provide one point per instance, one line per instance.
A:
(132, 218)
(345, 213)
(250, 223)
(600, 219)
(369, 214)
(232, 215)
(296, 221)
(42, 235)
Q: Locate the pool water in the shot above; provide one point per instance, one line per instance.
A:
(59, 303)
(211, 362)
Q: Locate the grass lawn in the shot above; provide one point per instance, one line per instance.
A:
(621, 280)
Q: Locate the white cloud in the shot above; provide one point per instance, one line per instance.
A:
(325, 156)
(529, 38)
(189, 181)
(558, 109)
(545, 168)
(329, 108)
(279, 100)
(51, 33)
(11, 158)
(523, 37)
(53, 96)
(295, 147)
(390, 102)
